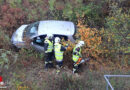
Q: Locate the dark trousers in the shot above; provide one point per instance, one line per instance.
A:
(48, 59)
(76, 67)
(59, 64)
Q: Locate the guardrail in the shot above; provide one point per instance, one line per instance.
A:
(108, 82)
(1, 87)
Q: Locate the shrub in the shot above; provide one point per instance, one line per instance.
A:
(29, 56)
(91, 14)
(36, 10)
(116, 34)
(11, 18)
(92, 39)
(7, 58)
(5, 40)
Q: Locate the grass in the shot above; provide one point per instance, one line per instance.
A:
(29, 73)
(36, 78)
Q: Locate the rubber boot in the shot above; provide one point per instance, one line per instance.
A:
(74, 70)
(46, 65)
(50, 64)
(58, 69)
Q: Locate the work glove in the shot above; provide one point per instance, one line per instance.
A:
(66, 46)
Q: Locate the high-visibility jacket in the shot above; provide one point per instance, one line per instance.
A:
(50, 45)
(77, 54)
(58, 52)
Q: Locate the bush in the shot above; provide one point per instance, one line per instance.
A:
(91, 14)
(11, 18)
(5, 40)
(92, 39)
(7, 59)
(116, 34)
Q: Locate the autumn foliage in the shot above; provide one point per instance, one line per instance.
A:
(92, 39)
(101, 24)
(11, 18)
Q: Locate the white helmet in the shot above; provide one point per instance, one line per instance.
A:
(80, 44)
(57, 40)
(49, 35)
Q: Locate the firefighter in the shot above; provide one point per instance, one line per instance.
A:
(59, 50)
(48, 46)
(77, 57)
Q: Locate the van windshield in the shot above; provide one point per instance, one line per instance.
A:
(31, 29)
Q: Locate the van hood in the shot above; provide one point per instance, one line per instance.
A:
(18, 35)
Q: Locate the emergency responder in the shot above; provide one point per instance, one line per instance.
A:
(59, 50)
(48, 48)
(77, 55)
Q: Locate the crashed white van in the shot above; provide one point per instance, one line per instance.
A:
(62, 29)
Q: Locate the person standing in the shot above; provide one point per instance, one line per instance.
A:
(59, 50)
(48, 48)
(77, 57)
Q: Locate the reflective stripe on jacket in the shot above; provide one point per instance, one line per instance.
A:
(50, 46)
(58, 52)
(78, 54)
